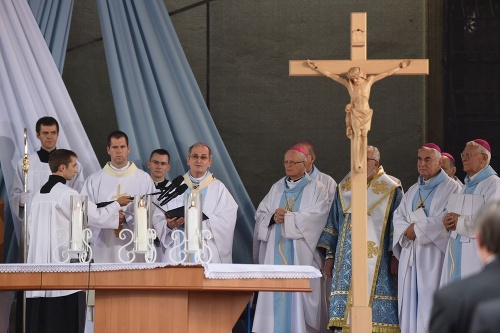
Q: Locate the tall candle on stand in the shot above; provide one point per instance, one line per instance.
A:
(76, 228)
(142, 226)
(192, 228)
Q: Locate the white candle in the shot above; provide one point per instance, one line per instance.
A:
(142, 228)
(192, 228)
(76, 228)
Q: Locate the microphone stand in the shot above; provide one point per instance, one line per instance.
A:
(23, 248)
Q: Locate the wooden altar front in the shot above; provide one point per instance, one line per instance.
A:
(170, 299)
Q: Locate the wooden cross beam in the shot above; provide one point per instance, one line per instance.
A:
(358, 57)
(360, 315)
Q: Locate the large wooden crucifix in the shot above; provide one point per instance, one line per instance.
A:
(360, 315)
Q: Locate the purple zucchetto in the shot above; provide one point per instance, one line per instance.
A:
(449, 156)
(299, 149)
(432, 146)
(483, 143)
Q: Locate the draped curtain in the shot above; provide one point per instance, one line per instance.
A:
(31, 87)
(158, 102)
(54, 19)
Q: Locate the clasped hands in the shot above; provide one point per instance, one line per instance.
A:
(450, 221)
(279, 215)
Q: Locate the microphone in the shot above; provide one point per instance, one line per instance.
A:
(173, 184)
(178, 191)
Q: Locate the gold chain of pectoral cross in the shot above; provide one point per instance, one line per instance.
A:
(420, 202)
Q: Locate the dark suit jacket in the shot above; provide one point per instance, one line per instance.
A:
(454, 304)
(486, 318)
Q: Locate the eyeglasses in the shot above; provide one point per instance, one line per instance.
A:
(468, 155)
(371, 159)
(285, 163)
(201, 157)
(159, 163)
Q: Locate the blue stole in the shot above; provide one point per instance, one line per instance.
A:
(426, 191)
(284, 254)
(469, 188)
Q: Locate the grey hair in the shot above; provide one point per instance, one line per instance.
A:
(376, 152)
(481, 150)
(436, 152)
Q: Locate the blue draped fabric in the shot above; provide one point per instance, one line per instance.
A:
(31, 87)
(158, 102)
(54, 19)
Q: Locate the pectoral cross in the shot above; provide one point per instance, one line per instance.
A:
(118, 195)
(361, 315)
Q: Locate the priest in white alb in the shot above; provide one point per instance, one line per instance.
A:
(119, 177)
(218, 206)
(288, 223)
(482, 185)
(420, 239)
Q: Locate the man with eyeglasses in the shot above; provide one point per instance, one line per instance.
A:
(218, 205)
(288, 223)
(331, 187)
(383, 197)
(119, 177)
(482, 185)
(419, 242)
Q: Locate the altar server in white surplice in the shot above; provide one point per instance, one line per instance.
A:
(288, 223)
(217, 205)
(420, 239)
(49, 218)
(481, 185)
(119, 177)
(47, 131)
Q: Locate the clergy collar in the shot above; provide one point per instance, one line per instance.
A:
(53, 180)
(422, 181)
(161, 184)
(119, 169)
(197, 180)
(290, 181)
(44, 155)
(471, 178)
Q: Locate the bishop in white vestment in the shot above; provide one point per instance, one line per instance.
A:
(482, 185)
(420, 239)
(288, 223)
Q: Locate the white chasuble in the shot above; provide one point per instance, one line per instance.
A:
(220, 208)
(106, 185)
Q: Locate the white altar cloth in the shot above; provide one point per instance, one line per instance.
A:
(212, 271)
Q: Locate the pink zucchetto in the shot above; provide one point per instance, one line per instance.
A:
(449, 156)
(299, 149)
(432, 146)
(483, 143)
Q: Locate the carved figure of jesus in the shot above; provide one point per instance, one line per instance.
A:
(358, 112)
